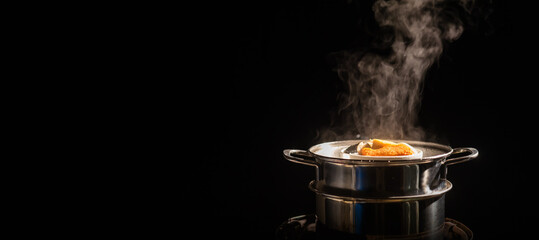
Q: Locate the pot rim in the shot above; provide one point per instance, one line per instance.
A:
(337, 155)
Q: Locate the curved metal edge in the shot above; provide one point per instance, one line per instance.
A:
(305, 221)
(307, 159)
(447, 186)
(472, 153)
(460, 226)
(363, 162)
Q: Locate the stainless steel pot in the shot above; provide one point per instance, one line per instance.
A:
(397, 217)
(341, 171)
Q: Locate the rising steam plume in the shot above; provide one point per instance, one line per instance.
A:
(383, 88)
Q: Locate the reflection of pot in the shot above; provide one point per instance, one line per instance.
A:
(340, 169)
(397, 216)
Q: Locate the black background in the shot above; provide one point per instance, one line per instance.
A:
(480, 94)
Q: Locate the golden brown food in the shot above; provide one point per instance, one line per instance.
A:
(385, 148)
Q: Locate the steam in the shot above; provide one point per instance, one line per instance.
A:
(384, 85)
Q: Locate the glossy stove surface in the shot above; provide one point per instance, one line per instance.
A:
(306, 227)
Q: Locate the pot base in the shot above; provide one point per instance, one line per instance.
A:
(307, 227)
(395, 216)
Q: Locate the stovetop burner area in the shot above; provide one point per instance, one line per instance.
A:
(307, 227)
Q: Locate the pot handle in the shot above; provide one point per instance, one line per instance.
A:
(300, 156)
(472, 153)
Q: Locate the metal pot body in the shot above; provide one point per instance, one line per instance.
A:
(337, 173)
(421, 215)
(382, 181)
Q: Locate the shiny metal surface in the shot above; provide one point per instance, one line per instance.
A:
(380, 178)
(380, 181)
(405, 215)
(308, 227)
(471, 153)
(344, 151)
(359, 196)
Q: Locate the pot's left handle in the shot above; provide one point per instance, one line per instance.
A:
(300, 156)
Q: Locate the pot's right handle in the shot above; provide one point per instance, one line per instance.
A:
(300, 156)
(472, 153)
